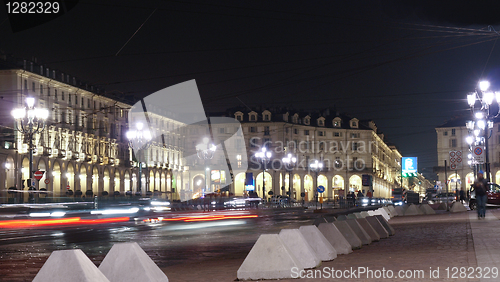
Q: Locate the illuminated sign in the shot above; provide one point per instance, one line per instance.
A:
(409, 165)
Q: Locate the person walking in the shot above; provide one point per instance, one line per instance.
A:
(480, 187)
(462, 195)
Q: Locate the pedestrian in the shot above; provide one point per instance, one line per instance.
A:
(462, 195)
(369, 194)
(480, 188)
(353, 199)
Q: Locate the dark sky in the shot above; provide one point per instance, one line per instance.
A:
(408, 66)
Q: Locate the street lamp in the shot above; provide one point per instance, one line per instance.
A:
(29, 121)
(205, 152)
(264, 156)
(480, 127)
(138, 140)
(290, 162)
(316, 166)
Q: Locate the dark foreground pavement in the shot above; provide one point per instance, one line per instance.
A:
(448, 244)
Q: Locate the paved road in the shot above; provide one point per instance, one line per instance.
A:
(23, 252)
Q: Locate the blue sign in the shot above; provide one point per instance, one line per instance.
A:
(409, 164)
(321, 189)
(249, 182)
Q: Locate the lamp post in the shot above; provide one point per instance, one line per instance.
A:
(264, 156)
(290, 162)
(138, 140)
(480, 127)
(29, 121)
(316, 166)
(205, 152)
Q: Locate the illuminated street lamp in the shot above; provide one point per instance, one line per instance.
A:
(480, 127)
(205, 152)
(138, 141)
(29, 121)
(316, 166)
(290, 162)
(263, 156)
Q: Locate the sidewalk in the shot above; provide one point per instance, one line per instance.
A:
(422, 243)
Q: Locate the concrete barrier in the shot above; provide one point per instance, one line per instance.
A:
(358, 215)
(69, 265)
(359, 231)
(269, 258)
(383, 213)
(368, 229)
(335, 238)
(351, 216)
(348, 234)
(375, 223)
(386, 225)
(364, 214)
(323, 249)
(458, 207)
(393, 211)
(426, 209)
(319, 220)
(411, 210)
(404, 207)
(400, 210)
(442, 206)
(371, 213)
(299, 247)
(341, 217)
(388, 211)
(127, 262)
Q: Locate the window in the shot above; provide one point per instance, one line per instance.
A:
(254, 142)
(286, 130)
(266, 117)
(267, 142)
(453, 132)
(320, 122)
(445, 133)
(453, 143)
(253, 129)
(55, 94)
(321, 133)
(337, 134)
(33, 87)
(354, 124)
(354, 135)
(82, 103)
(26, 88)
(88, 103)
(253, 118)
(221, 130)
(336, 123)
(239, 118)
(338, 163)
(295, 131)
(62, 96)
(306, 132)
(355, 146)
(307, 121)
(266, 130)
(41, 89)
(69, 98)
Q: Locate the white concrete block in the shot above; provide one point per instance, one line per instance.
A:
(335, 238)
(269, 258)
(358, 215)
(426, 209)
(400, 210)
(323, 249)
(368, 229)
(359, 231)
(386, 225)
(371, 213)
(299, 247)
(348, 234)
(375, 223)
(69, 266)
(388, 211)
(383, 213)
(393, 211)
(458, 207)
(128, 262)
(364, 214)
(411, 210)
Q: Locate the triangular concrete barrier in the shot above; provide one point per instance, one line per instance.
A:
(375, 223)
(299, 247)
(364, 214)
(386, 225)
(269, 258)
(128, 262)
(319, 220)
(404, 207)
(323, 249)
(341, 217)
(372, 213)
(383, 213)
(358, 215)
(69, 266)
(368, 229)
(348, 234)
(351, 216)
(411, 210)
(393, 211)
(458, 207)
(400, 210)
(335, 238)
(388, 211)
(426, 209)
(359, 231)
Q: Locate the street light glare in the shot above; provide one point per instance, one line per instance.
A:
(30, 102)
(469, 139)
(479, 115)
(484, 85)
(481, 124)
(471, 99)
(18, 113)
(488, 97)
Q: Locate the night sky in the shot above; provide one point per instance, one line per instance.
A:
(406, 66)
